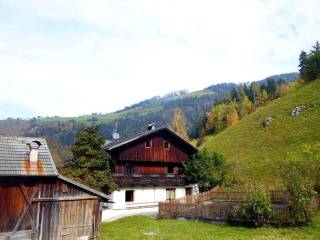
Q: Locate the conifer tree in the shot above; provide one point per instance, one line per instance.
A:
(271, 87)
(90, 164)
(309, 64)
(302, 63)
(255, 90)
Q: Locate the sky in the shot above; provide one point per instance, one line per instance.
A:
(75, 57)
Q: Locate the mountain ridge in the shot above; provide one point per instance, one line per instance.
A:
(131, 119)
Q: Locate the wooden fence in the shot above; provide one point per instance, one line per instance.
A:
(216, 205)
(213, 211)
(278, 197)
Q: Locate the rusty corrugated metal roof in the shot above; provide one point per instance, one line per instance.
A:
(14, 158)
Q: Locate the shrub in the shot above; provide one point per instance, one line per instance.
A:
(302, 207)
(300, 175)
(207, 169)
(255, 209)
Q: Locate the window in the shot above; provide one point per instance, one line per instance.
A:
(166, 145)
(170, 193)
(170, 169)
(129, 195)
(129, 168)
(188, 191)
(148, 143)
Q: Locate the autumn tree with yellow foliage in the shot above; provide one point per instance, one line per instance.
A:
(179, 124)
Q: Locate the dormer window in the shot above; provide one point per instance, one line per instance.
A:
(166, 145)
(148, 143)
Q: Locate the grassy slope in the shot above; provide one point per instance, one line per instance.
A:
(254, 149)
(133, 228)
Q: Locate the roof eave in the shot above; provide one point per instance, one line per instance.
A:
(115, 146)
(85, 188)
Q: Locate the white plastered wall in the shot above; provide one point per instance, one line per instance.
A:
(143, 197)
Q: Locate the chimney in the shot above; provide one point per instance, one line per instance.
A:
(151, 126)
(34, 151)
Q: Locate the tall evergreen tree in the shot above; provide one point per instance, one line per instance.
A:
(90, 165)
(309, 64)
(271, 87)
(242, 91)
(235, 96)
(254, 91)
(302, 63)
(316, 47)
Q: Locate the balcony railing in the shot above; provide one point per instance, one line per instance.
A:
(134, 180)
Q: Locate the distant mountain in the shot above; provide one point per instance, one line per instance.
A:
(285, 77)
(134, 118)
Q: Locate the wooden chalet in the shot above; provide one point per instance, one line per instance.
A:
(148, 167)
(38, 203)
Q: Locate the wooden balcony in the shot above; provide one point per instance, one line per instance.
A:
(148, 180)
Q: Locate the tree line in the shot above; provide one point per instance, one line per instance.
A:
(309, 63)
(244, 99)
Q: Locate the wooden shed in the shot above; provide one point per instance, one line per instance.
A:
(38, 203)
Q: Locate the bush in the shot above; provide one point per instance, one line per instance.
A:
(255, 209)
(302, 208)
(300, 175)
(207, 169)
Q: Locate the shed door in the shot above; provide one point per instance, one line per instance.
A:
(67, 219)
(77, 220)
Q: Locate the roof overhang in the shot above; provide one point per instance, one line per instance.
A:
(121, 143)
(85, 188)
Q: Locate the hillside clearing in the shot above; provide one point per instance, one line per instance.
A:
(141, 227)
(254, 150)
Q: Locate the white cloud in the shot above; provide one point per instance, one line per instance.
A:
(99, 56)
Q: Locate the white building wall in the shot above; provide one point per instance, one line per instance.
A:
(143, 197)
(180, 192)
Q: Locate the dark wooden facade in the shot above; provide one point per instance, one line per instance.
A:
(155, 153)
(47, 208)
(153, 158)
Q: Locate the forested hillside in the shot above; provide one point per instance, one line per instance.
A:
(254, 149)
(134, 118)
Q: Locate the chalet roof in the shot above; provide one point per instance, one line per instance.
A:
(14, 158)
(122, 142)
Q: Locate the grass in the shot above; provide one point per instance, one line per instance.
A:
(254, 150)
(134, 228)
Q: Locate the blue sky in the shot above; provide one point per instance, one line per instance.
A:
(76, 57)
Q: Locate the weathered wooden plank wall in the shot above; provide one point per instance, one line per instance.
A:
(48, 207)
